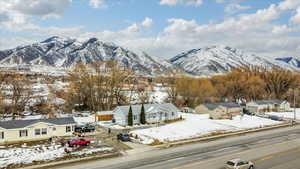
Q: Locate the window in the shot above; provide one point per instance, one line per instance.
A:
(135, 117)
(54, 128)
(73, 128)
(240, 163)
(44, 131)
(68, 129)
(37, 132)
(230, 163)
(173, 113)
(1, 135)
(23, 133)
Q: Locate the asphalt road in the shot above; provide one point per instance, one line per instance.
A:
(273, 149)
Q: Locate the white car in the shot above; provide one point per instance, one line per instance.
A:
(239, 164)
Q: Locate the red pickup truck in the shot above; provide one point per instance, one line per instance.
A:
(79, 142)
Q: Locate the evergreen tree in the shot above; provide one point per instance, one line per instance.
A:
(130, 117)
(143, 116)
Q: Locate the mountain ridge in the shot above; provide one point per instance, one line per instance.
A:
(65, 53)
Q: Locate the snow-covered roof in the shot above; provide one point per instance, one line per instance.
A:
(212, 106)
(15, 124)
(149, 108)
(275, 101)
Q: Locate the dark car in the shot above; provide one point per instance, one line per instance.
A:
(79, 142)
(123, 137)
(276, 118)
(85, 128)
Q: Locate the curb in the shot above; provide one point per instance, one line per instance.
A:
(209, 138)
(67, 162)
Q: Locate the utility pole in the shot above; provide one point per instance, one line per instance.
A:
(295, 118)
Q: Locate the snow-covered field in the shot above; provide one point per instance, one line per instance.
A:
(196, 125)
(11, 156)
(288, 115)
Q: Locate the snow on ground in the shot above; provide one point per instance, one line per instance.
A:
(288, 115)
(196, 125)
(91, 151)
(28, 155)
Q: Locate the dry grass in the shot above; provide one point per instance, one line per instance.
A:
(175, 120)
(156, 142)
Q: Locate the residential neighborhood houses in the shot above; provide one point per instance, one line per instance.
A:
(14, 131)
(155, 113)
(220, 110)
(162, 123)
(268, 105)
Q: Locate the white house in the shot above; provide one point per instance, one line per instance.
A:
(268, 105)
(155, 113)
(15, 131)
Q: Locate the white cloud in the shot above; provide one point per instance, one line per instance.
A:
(148, 22)
(234, 8)
(97, 3)
(187, 2)
(45, 8)
(255, 33)
(296, 18)
(289, 4)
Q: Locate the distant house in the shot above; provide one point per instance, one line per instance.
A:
(187, 110)
(220, 110)
(15, 131)
(155, 113)
(268, 105)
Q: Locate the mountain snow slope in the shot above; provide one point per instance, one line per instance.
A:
(64, 52)
(294, 61)
(221, 59)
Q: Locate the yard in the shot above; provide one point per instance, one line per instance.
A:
(196, 125)
(11, 157)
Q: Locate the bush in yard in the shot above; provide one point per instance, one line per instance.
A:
(156, 142)
(130, 117)
(143, 116)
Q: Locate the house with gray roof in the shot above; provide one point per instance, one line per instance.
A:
(221, 110)
(14, 131)
(275, 105)
(155, 113)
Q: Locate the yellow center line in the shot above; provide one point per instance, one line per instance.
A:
(278, 154)
(239, 153)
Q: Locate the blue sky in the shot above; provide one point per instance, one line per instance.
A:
(158, 27)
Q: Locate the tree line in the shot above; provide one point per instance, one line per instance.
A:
(247, 83)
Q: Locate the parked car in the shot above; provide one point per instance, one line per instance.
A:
(276, 118)
(123, 137)
(79, 142)
(239, 164)
(85, 128)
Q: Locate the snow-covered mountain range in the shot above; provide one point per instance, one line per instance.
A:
(64, 52)
(57, 52)
(221, 59)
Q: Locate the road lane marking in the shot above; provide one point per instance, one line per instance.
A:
(266, 158)
(277, 154)
(239, 153)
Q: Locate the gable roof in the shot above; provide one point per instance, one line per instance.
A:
(149, 108)
(212, 106)
(274, 101)
(14, 124)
